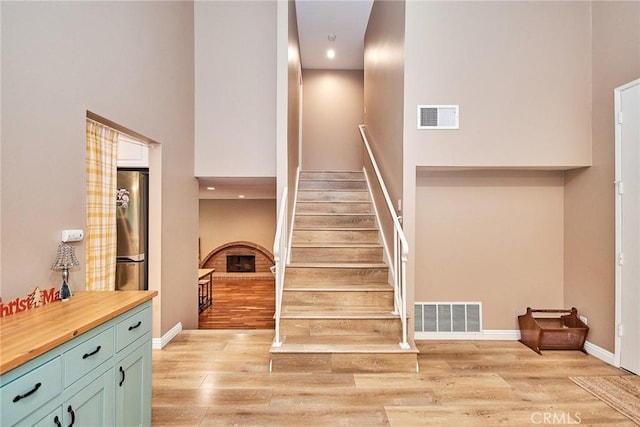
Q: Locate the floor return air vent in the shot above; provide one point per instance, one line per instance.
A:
(448, 317)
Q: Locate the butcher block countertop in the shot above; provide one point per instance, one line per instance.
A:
(28, 334)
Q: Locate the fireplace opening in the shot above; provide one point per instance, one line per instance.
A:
(241, 263)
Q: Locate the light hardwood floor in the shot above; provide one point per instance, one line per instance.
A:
(221, 378)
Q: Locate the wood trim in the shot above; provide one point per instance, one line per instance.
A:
(102, 120)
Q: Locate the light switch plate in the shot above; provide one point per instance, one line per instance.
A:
(72, 235)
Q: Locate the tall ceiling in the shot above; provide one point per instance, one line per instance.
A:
(317, 20)
(345, 19)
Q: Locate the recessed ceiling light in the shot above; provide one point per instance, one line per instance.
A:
(331, 37)
(331, 54)
(211, 188)
(240, 196)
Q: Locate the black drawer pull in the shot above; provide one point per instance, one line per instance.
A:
(73, 416)
(137, 325)
(27, 394)
(57, 422)
(92, 353)
(122, 380)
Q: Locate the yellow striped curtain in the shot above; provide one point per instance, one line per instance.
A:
(102, 153)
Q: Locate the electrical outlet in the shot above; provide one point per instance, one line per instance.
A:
(399, 205)
(584, 320)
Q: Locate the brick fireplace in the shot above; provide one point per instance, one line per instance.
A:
(239, 257)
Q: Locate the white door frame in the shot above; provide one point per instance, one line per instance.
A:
(618, 218)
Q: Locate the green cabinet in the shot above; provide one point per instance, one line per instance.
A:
(92, 405)
(87, 405)
(133, 388)
(100, 378)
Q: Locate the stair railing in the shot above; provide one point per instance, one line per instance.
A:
(400, 248)
(280, 258)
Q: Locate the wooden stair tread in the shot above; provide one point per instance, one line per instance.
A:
(352, 179)
(340, 202)
(308, 171)
(338, 265)
(338, 306)
(347, 214)
(337, 314)
(348, 245)
(339, 287)
(306, 227)
(337, 190)
(354, 348)
(349, 344)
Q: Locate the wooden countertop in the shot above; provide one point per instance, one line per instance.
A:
(202, 272)
(28, 334)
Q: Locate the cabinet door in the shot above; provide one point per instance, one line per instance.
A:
(91, 405)
(133, 388)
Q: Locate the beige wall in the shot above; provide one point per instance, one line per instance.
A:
(235, 88)
(493, 237)
(383, 105)
(131, 62)
(534, 82)
(589, 193)
(224, 221)
(383, 89)
(525, 103)
(520, 72)
(294, 94)
(333, 109)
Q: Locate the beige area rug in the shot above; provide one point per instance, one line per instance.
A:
(622, 393)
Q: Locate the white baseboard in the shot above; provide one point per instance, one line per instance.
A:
(491, 334)
(508, 335)
(159, 343)
(600, 353)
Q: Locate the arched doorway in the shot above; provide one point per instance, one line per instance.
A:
(243, 298)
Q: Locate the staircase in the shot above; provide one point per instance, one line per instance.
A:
(337, 304)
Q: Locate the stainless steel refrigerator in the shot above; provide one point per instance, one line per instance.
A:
(132, 223)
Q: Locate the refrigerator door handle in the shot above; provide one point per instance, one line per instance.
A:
(132, 258)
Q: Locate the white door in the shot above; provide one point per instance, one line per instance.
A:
(627, 104)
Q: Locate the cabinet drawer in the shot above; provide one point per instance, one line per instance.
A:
(49, 415)
(132, 328)
(87, 356)
(27, 393)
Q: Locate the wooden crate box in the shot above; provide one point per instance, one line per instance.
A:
(548, 332)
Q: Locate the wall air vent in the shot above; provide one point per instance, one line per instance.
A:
(448, 317)
(438, 117)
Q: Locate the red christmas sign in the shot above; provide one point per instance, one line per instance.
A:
(35, 298)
